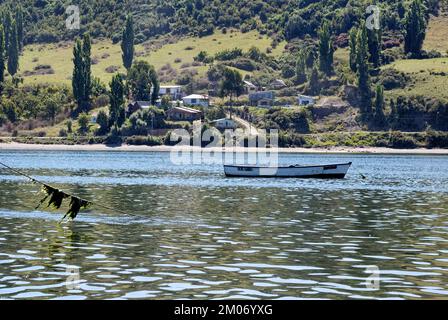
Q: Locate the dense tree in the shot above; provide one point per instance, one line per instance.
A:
(142, 80)
(82, 77)
(414, 28)
(83, 122)
(19, 21)
(352, 44)
(7, 26)
(380, 118)
(326, 49)
(103, 121)
(362, 61)
(13, 50)
(374, 41)
(127, 43)
(232, 84)
(52, 109)
(86, 51)
(314, 85)
(116, 97)
(2, 58)
(301, 67)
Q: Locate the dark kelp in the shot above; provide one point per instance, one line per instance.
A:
(57, 197)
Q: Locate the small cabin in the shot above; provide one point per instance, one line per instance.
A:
(197, 100)
(224, 124)
(137, 105)
(262, 98)
(249, 87)
(175, 92)
(278, 84)
(305, 100)
(183, 114)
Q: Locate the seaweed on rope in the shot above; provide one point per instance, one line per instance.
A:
(55, 197)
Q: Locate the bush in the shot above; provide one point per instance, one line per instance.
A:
(144, 141)
(63, 132)
(399, 140)
(227, 55)
(392, 79)
(83, 122)
(436, 139)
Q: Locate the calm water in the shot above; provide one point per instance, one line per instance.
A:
(192, 233)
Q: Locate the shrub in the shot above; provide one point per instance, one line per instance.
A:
(83, 122)
(436, 139)
(399, 140)
(392, 79)
(143, 141)
(63, 132)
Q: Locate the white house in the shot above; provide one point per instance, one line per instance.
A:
(278, 84)
(249, 87)
(175, 92)
(225, 124)
(306, 100)
(196, 100)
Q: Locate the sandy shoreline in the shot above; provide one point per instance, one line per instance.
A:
(127, 148)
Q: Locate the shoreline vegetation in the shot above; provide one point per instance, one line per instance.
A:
(14, 146)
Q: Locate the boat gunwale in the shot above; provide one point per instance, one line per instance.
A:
(287, 167)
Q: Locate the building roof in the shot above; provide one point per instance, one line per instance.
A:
(142, 104)
(305, 97)
(278, 82)
(170, 87)
(196, 96)
(223, 119)
(250, 84)
(185, 110)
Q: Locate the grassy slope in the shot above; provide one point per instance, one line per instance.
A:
(425, 80)
(427, 77)
(59, 56)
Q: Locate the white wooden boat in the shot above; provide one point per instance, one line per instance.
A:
(331, 171)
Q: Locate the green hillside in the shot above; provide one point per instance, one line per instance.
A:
(194, 43)
(45, 19)
(107, 56)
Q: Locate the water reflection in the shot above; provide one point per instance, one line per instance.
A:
(215, 238)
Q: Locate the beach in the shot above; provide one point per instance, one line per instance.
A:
(133, 148)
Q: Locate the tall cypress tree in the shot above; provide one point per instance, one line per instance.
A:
(362, 61)
(116, 107)
(86, 52)
(374, 40)
(314, 85)
(81, 80)
(326, 49)
(2, 57)
(380, 118)
(7, 24)
(19, 21)
(301, 67)
(127, 43)
(415, 28)
(13, 51)
(78, 82)
(352, 43)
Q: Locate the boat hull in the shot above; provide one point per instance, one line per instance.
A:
(333, 171)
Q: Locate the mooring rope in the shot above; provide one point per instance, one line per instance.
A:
(34, 180)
